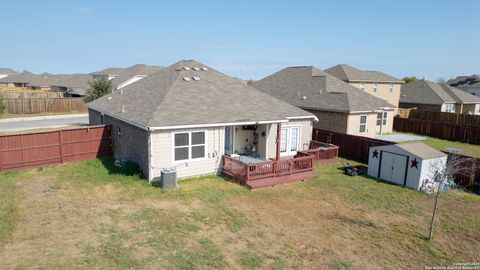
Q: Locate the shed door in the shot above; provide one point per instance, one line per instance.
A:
(393, 168)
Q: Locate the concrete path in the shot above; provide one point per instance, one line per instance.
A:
(36, 122)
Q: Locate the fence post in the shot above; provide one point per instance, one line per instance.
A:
(60, 138)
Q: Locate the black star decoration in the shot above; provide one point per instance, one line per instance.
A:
(375, 153)
(414, 163)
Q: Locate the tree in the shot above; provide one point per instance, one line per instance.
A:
(455, 164)
(98, 88)
(409, 79)
(440, 80)
(2, 104)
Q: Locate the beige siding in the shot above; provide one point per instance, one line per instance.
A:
(161, 153)
(305, 135)
(353, 125)
(383, 91)
(332, 121)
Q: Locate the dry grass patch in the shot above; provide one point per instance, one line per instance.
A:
(93, 215)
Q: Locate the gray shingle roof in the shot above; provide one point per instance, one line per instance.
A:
(166, 99)
(7, 71)
(348, 73)
(63, 80)
(108, 71)
(465, 81)
(135, 70)
(310, 88)
(23, 77)
(426, 92)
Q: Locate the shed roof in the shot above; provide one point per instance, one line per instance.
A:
(418, 149)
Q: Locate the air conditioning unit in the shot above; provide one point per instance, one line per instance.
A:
(168, 178)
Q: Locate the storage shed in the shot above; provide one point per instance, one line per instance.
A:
(409, 164)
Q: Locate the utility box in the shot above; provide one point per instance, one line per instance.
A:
(168, 178)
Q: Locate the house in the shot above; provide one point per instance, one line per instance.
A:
(376, 83)
(107, 74)
(4, 72)
(196, 119)
(338, 106)
(470, 84)
(72, 85)
(411, 164)
(19, 80)
(430, 96)
(133, 74)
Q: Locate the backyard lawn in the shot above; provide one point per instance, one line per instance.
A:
(465, 148)
(92, 215)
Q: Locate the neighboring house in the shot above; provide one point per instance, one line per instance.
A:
(376, 83)
(72, 85)
(107, 74)
(4, 72)
(470, 84)
(18, 79)
(188, 115)
(133, 74)
(430, 96)
(338, 106)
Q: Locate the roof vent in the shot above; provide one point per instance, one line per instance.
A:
(204, 68)
(186, 68)
(196, 78)
(109, 98)
(187, 79)
(196, 68)
(123, 108)
(304, 97)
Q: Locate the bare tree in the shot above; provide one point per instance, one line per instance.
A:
(442, 171)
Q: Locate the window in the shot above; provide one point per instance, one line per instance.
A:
(189, 145)
(375, 87)
(363, 124)
(289, 140)
(379, 119)
(391, 88)
(385, 114)
(119, 133)
(362, 86)
(449, 108)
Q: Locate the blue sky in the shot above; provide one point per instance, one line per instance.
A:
(247, 39)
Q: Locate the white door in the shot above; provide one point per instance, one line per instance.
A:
(229, 140)
(289, 140)
(393, 168)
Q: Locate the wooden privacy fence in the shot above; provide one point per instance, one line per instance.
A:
(446, 131)
(350, 146)
(471, 175)
(445, 117)
(55, 147)
(30, 94)
(39, 105)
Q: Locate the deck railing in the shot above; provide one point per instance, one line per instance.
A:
(322, 151)
(242, 172)
(302, 162)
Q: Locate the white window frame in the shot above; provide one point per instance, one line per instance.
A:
(362, 86)
(375, 87)
(189, 146)
(379, 119)
(385, 116)
(288, 146)
(119, 133)
(391, 87)
(360, 124)
(449, 107)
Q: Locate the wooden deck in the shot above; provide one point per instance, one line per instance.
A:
(277, 172)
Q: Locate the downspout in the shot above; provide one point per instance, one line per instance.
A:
(279, 128)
